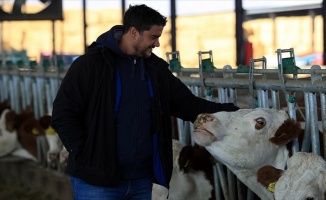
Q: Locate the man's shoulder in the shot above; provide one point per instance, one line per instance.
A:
(92, 58)
(99, 51)
(97, 55)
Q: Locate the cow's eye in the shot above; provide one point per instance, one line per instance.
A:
(310, 198)
(260, 123)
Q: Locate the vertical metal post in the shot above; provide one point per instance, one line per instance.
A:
(16, 95)
(323, 117)
(48, 96)
(123, 8)
(173, 26)
(272, 16)
(307, 129)
(324, 29)
(275, 99)
(314, 124)
(54, 60)
(217, 184)
(5, 91)
(1, 41)
(84, 26)
(315, 140)
(239, 15)
(313, 16)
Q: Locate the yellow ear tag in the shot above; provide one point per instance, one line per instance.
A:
(50, 131)
(271, 187)
(35, 131)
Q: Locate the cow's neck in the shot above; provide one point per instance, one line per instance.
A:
(249, 178)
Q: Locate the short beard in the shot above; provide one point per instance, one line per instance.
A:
(139, 53)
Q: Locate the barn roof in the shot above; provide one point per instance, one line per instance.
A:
(301, 10)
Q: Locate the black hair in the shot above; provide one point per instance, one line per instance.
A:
(142, 18)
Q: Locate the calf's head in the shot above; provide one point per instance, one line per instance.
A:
(247, 138)
(192, 176)
(305, 178)
(8, 134)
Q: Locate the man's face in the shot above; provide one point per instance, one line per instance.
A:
(146, 41)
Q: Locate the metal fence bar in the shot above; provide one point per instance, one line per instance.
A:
(35, 99)
(28, 81)
(307, 133)
(275, 99)
(217, 184)
(290, 85)
(4, 88)
(323, 117)
(314, 123)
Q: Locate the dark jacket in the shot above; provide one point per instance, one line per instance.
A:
(132, 109)
(83, 114)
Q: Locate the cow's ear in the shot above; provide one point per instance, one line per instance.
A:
(268, 176)
(185, 157)
(289, 130)
(45, 121)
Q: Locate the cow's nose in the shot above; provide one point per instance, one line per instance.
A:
(201, 119)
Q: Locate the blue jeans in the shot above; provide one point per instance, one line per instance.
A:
(139, 189)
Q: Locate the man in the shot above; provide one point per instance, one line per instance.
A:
(113, 111)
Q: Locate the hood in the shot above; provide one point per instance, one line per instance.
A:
(110, 39)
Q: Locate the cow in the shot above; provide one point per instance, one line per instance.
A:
(56, 154)
(304, 178)
(246, 140)
(8, 133)
(54, 143)
(22, 135)
(30, 133)
(192, 176)
(9, 144)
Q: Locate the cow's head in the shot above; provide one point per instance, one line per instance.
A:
(247, 138)
(53, 140)
(28, 130)
(192, 176)
(305, 178)
(8, 134)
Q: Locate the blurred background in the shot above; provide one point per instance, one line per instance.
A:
(199, 26)
(52, 33)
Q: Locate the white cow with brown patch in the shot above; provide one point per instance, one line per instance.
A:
(304, 178)
(54, 143)
(9, 144)
(8, 133)
(246, 140)
(192, 169)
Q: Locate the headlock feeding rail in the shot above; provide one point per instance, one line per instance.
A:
(301, 92)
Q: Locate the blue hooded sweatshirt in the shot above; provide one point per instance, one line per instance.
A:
(133, 110)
